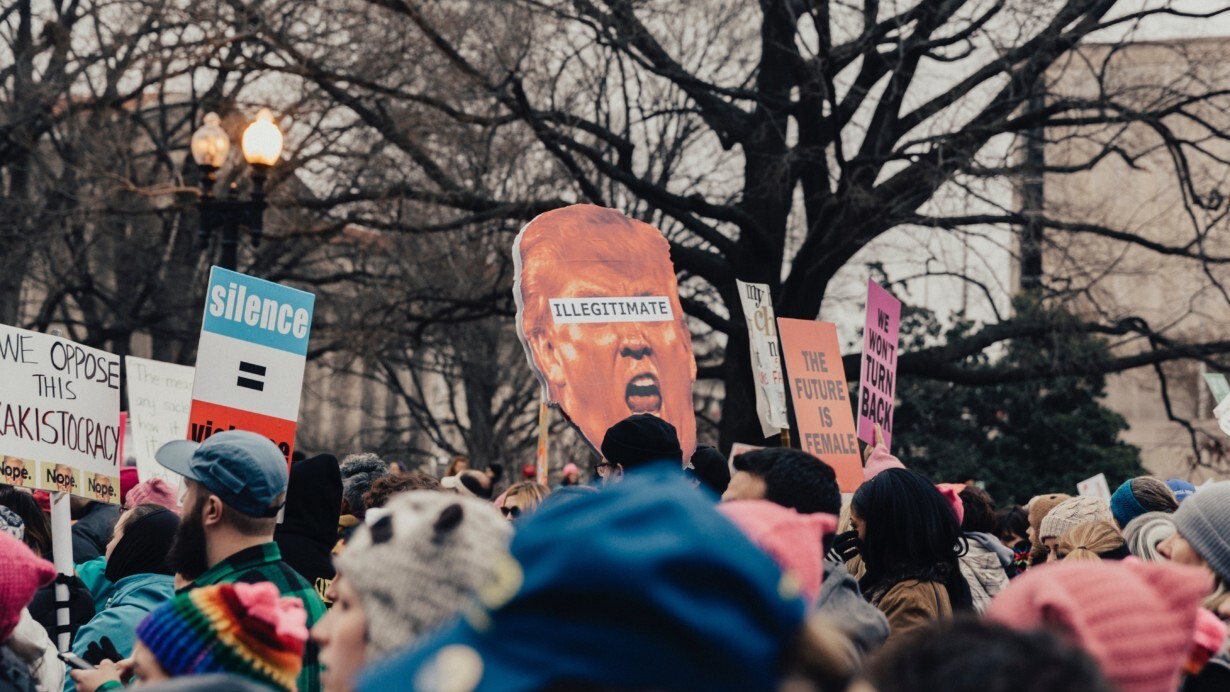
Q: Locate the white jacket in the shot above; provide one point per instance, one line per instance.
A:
(46, 667)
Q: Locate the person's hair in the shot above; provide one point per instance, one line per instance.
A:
(910, 532)
(979, 510)
(968, 655)
(38, 528)
(793, 479)
(134, 513)
(386, 487)
(497, 473)
(711, 469)
(1092, 542)
(533, 493)
(1012, 522)
(359, 471)
(248, 525)
(1154, 495)
(452, 465)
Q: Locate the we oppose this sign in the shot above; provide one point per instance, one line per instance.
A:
(249, 366)
(878, 385)
(59, 415)
(817, 383)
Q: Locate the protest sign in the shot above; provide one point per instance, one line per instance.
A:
(598, 314)
(159, 401)
(249, 365)
(59, 415)
(878, 384)
(1218, 386)
(1095, 486)
(817, 382)
(766, 361)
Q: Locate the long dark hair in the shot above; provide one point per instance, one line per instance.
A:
(38, 528)
(911, 532)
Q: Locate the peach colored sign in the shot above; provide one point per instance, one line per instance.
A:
(599, 316)
(816, 381)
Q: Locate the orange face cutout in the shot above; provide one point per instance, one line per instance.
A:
(600, 319)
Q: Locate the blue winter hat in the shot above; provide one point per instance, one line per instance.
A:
(641, 586)
(1124, 505)
(245, 470)
(1182, 489)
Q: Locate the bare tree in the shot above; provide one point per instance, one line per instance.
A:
(771, 144)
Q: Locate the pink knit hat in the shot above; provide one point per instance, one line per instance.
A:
(794, 541)
(155, 491)
(952, 493)
(21, 573)
(880, 460)
(128, 480)
(1209, 637)
(1136, 619)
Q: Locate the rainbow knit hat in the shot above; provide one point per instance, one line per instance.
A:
(245, 629)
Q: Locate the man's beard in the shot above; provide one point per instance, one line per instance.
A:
(188, 556)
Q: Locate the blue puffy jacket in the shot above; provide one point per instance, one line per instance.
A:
(134, 597)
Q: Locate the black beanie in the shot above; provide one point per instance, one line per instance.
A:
(640, 439)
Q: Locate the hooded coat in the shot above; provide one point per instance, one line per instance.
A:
(308, 530)
(985, 567)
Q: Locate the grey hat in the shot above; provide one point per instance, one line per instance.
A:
(1145, 532)
(1074, 512)
(359, 471)
(418, 561)
(1204, 521)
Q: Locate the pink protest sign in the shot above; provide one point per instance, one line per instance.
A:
(878, 384)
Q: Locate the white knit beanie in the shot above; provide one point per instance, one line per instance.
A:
(1145, 532)
(416, 563)
(1074, 512)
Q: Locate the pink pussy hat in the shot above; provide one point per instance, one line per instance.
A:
(794, 541)
(879, 461)
(21, 574)
(1136, 619)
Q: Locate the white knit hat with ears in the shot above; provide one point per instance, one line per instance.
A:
(418, 562)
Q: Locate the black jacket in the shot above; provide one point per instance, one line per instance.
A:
(308, 530)
(93, 530)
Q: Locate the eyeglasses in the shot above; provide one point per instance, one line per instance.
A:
(511, 512)
(603, 468)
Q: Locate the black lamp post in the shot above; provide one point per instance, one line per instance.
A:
(262, 146)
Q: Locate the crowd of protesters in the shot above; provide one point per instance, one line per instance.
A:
(757, 574)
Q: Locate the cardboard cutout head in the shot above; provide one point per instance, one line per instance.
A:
(599, 316)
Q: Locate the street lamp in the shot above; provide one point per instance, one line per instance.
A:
(262, 146)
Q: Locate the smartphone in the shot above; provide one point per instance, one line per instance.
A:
(76, 661)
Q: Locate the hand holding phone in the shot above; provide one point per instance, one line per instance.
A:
(75, 661)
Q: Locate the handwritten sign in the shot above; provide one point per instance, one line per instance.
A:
(817, 383)
(159, 400)
(766, 361)
(1095, 486)
(878, 385)
(59, 415)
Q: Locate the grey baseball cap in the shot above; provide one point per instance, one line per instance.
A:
(245, 470)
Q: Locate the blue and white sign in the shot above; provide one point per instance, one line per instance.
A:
(250, 361)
